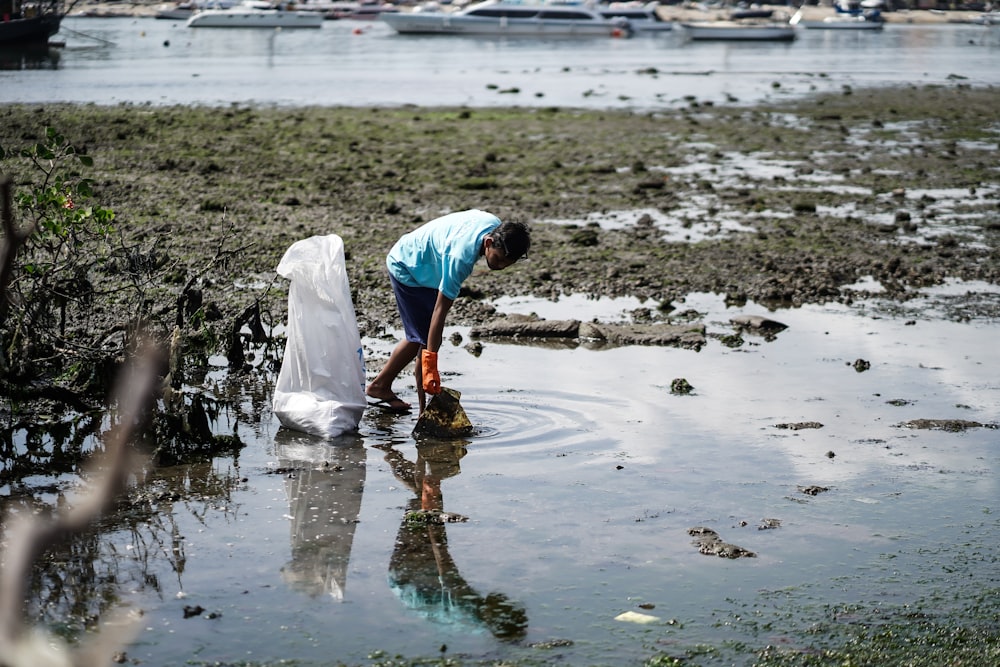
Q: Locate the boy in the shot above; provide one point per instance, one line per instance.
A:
(427, 268)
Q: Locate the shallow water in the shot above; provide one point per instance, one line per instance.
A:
(579, 487)
(351, 63)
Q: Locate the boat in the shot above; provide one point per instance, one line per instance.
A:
(183, 10)
(176, 11)
(865, 21)
(751, 13)
(352, 11)
(369, 11)
(510, 17)
(255, 14)
(642, 17)
(27, 23)
(744, 31)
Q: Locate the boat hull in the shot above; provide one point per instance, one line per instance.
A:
(175, 14)
(441, 23)
(842, 25)
(34, 30)
(719, 30)
(238, 18)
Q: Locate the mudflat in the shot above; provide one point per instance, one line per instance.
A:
(780, 203)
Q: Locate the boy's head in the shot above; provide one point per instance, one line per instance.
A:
(509, 242)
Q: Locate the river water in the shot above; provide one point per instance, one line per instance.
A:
(585, 472)
(351, 63)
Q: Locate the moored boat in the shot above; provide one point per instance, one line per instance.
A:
(368, 10)
(252, 14)
(510, 18)
(26, 23)
(746, 31)
(642, 17)
(837, 22)
(185, 9)
(869, 20)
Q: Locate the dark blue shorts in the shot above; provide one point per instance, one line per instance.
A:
(416, 306)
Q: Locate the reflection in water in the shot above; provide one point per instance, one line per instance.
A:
(324, 480)
(78, 581)
(28, 56)
(421, 571)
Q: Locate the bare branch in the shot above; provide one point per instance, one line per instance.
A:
(28, 538)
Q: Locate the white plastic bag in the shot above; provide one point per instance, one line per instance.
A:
(321, 385)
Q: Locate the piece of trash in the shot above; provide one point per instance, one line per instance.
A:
(444, 417)
(636, 617)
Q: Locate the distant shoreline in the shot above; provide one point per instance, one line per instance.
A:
(669, 12)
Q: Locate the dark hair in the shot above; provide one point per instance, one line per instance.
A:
(514, 238)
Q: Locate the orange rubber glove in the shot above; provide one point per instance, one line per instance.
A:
(429, 371)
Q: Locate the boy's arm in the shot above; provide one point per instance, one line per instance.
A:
(428, 378)
(436, 332)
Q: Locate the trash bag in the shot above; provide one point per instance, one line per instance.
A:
(321, 385)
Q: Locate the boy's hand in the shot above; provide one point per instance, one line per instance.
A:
(429, 371)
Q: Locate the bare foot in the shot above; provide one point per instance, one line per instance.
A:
(386, 400)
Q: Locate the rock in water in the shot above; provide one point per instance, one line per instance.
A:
(444, 417)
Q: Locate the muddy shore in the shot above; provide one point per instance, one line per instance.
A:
(836, 212)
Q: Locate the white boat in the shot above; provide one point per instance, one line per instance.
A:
(250, 14)
(840, 22)
(176, 11)
(368, 10)
(641, 16)
(745, 31)
(509, 17)
(182, 11)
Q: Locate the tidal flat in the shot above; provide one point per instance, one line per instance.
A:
(899, 185)
(852, 453)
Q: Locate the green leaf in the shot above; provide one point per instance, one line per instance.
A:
(44, 152)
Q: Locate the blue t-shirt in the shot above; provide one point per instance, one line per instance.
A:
(441, 253)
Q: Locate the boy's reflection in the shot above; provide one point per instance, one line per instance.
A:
(421, 572)
(324, 480)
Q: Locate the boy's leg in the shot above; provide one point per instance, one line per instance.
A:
(381, 387)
